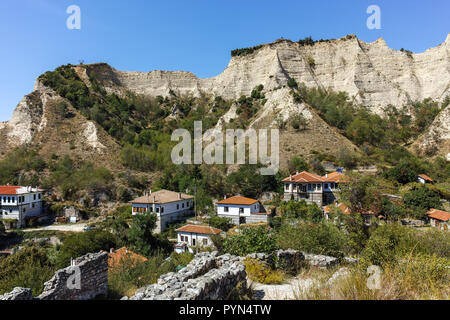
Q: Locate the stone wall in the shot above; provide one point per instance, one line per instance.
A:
(206, 277)
(212, 277)
(85, 279)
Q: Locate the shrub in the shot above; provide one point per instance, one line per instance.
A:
(258, 272)
(292, 83)
(221, 223)
(318, 238)
(422, 198)
(250, 240)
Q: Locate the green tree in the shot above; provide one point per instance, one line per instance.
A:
(250, 240)
(422, 198)
(297, 164)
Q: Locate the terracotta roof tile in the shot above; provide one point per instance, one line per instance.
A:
(341, 206)
(438, 214)
(238, 200)
(198, 229)
(335, 177)
(162, 196)
(425, 177)
(304, 176)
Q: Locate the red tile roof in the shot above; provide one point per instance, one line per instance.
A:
(335, 177)
(238, 200)
(9, 190)
(304, 176)
(190, 228)
(341, 206)
(438, 214)
(425, 177)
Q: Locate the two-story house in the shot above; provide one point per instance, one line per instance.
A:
(19, 203)
(242, 210)
(313, 188)
(169, 207)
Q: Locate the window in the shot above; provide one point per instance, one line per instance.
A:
(182, 205)
(205, 242)
(241, 210)
(151, 209)
(309, 187)
(193, 242)
(162, 209)
(33, 205)
(225, 209)
(157, 210)
(9, 199)
(326, 186)
(39, 196)
(286, 187)
(178, 206)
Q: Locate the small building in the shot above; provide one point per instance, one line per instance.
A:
(312, 188)
(423, 178)
(439, 219)
(242, 210)
(340, 206)
(169, 206)
(19, 204)
(195, 236)
(116, 257)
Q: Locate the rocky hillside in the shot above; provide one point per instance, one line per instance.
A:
(371, 74)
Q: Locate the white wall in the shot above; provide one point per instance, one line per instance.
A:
(195, 236)
(233, 210)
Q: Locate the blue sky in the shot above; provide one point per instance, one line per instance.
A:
(196, 35)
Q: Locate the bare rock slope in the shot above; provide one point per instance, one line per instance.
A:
(371, 73)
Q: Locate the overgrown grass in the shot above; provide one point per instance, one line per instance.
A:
(125, 278)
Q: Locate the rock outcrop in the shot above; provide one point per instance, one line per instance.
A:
(372, 73)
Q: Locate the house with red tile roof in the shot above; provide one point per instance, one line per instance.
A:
(423, 178)
(242, 210)
(169, 207)
(18, 203)
(313, 188)
(439, 219)
(192, 235)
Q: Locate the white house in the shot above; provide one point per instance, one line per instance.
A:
(423, 178)
(439, 219)
(19, 204)
(313, 188)
(242, 210)
(169, 206)
(195, 236)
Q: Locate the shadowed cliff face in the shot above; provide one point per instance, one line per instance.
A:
(372, 73)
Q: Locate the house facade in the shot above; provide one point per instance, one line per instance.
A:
(169, 207)
(439, 219)
(242, 210)
(18, 204)
(195, 236)
(312, 188)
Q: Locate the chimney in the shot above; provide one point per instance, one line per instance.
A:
(225, 197)
(126, 251)
(296, 172)
(150, 191)
(179, 195)
(326, 176)
(290, 178)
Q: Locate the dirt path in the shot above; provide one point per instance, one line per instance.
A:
(292, 290)
(60, 227)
